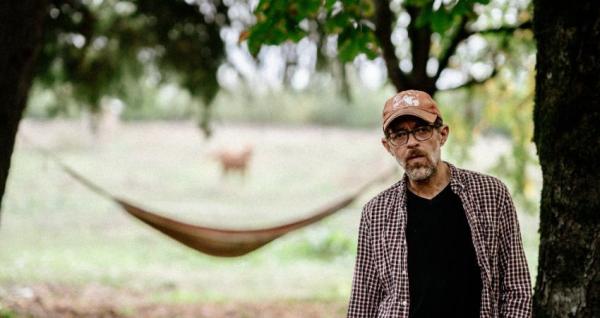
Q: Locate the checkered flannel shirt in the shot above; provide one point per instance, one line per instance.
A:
(380, 283)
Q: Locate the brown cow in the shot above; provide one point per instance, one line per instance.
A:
(232, 160)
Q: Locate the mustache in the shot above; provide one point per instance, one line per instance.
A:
(415, 153)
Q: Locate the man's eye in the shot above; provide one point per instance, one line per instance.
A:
(401, 134)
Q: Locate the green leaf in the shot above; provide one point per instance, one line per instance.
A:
(367, 8)
(441, 22)
(357, 40)
(419, 3)
(329, 4)
(336, 24)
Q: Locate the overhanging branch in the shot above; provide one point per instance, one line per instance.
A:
(462, 34)
(473, 81)
(527, 25)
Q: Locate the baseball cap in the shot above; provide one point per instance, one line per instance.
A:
(410, 102)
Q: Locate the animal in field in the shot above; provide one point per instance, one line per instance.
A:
(234, 160)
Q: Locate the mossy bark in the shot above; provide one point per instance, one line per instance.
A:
(567, 136)
(20, 35)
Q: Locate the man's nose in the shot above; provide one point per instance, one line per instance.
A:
(412, 141)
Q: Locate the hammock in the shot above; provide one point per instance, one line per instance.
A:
(218, 241)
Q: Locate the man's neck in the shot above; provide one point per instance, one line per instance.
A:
(433, 185)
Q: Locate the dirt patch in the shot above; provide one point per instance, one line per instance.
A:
(51, 300)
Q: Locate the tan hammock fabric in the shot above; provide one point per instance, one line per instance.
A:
(215, 241)
(222, 242)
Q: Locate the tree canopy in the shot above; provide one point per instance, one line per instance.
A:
(418, 39)
(89, 47)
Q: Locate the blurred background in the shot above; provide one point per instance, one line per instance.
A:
(243, 115)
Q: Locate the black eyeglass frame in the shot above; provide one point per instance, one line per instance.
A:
(413, 132)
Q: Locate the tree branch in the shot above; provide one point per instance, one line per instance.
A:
(472, 82)
(459, 36)
(463, 34)
(527, 25)
(383, 32)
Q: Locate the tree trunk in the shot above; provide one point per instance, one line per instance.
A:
(20, 36)
(567, 136)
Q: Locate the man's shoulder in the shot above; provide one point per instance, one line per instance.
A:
(480, 182)
(382, 200)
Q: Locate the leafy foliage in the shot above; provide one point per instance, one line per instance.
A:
(445, 17)
(186, 40)
(351, 21)
(90, 47)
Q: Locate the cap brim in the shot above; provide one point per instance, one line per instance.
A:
(425, 115)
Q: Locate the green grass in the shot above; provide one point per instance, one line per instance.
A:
(5, 313)
(54, 230)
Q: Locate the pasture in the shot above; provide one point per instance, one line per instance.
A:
(62, 246)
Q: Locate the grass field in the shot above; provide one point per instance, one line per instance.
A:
(54, 231)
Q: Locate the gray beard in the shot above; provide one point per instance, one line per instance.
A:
(420, 172)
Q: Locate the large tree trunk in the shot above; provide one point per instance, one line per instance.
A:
(567, 136)
(20, 35)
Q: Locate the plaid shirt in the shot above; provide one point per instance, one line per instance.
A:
(380, 284)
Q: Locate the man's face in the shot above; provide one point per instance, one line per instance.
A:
(419, 159)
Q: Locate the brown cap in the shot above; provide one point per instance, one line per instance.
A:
(410, 102)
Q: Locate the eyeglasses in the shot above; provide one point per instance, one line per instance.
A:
(421, 133)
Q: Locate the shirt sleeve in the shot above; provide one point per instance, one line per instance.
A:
(367, 290)
(515, 288)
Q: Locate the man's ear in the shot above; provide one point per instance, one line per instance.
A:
(386, 145)
(444, 132)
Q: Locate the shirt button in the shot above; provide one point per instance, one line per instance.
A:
(404, 303)
(403, 272)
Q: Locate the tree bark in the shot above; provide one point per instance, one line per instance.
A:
(567, 137)
(20, 36)
(420, 46)
(384, 19)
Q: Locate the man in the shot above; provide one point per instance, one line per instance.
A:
(441, 242)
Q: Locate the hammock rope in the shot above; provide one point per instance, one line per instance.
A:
(210, 240)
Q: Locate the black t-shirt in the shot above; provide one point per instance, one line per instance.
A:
(444, 278)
